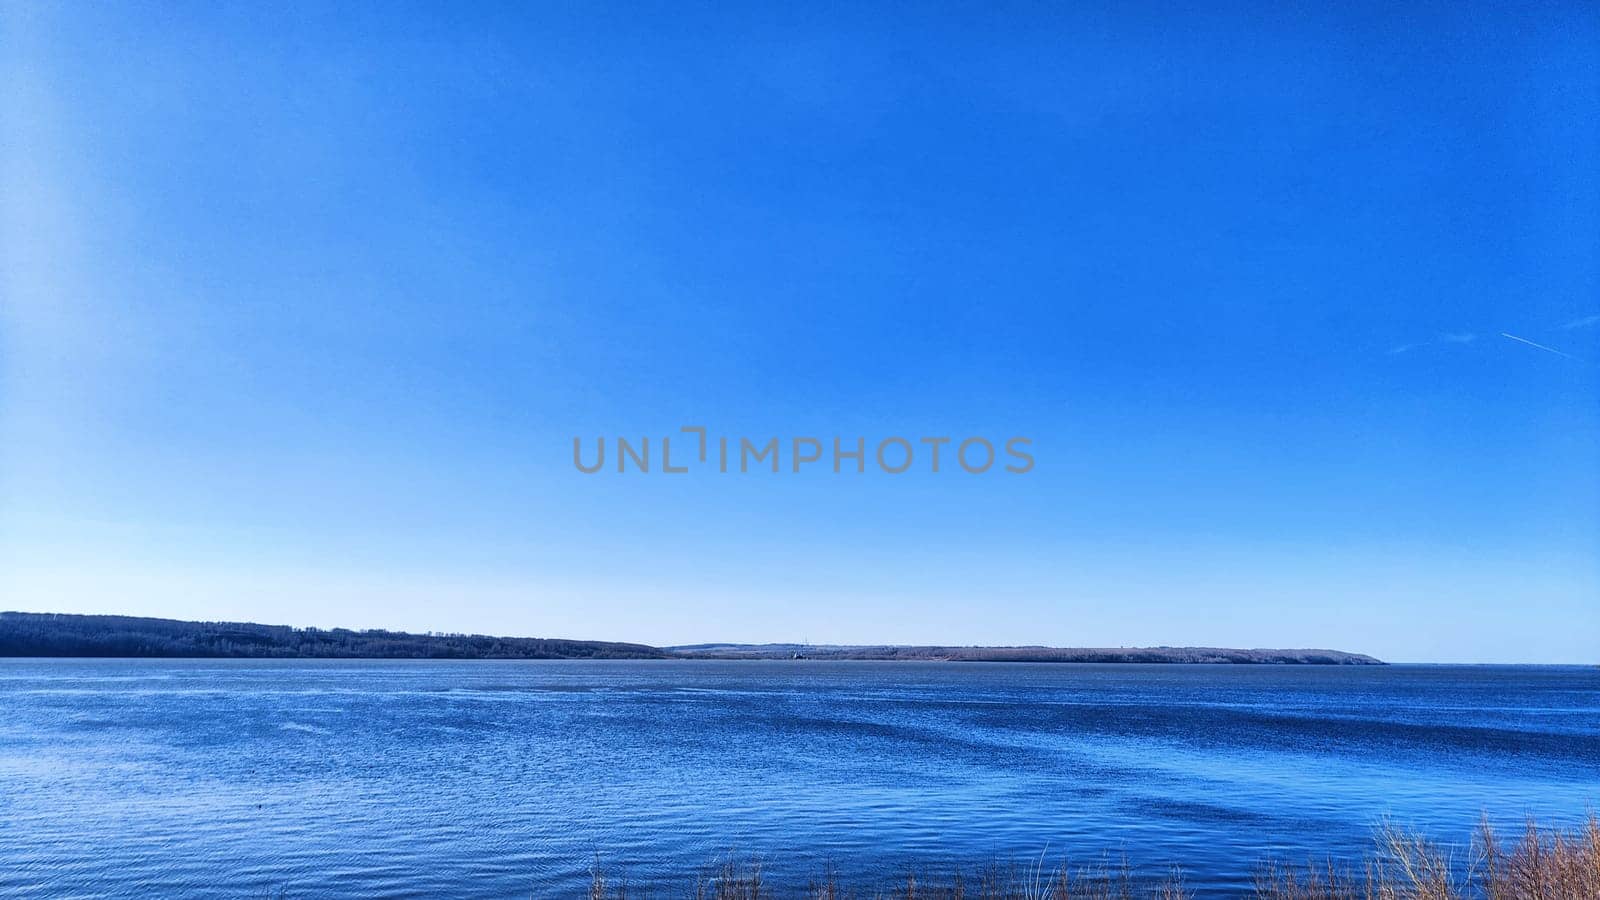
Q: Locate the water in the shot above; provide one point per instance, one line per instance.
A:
(361, 778)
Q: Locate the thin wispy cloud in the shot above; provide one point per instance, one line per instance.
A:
(1459, 338)
(1452, 337)
(1538, 346)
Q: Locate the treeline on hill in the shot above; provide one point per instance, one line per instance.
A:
(60, 634)
(52, 634)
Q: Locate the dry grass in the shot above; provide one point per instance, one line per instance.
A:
(1542, 865)
(1537, 864)
(736, 880)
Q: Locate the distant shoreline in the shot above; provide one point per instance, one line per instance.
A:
(1026, 654)
(37, 635)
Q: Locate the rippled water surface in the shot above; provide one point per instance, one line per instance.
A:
(359, 778)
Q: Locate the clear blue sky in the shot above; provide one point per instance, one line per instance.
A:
(304, 304)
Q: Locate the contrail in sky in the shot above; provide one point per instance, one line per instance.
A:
(1540, 346)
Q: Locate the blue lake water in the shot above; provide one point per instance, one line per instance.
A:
(360, 778)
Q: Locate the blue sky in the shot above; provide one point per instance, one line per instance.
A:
(304, 303)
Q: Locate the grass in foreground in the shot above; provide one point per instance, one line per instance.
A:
(1537, 864)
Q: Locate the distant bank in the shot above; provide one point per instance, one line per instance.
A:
(1028, 654)
(60, 634)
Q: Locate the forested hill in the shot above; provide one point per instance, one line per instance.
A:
(56, 634)
(52, 634)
